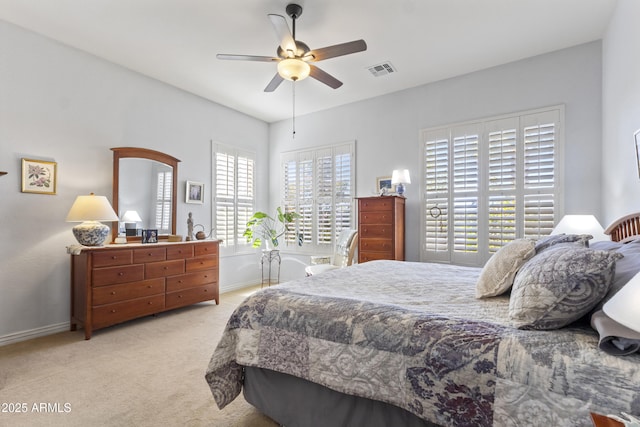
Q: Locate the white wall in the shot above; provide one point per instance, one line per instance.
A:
(387, 128)
(621, 111)
(63, 105)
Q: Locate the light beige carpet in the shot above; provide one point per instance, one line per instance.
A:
(147, 372)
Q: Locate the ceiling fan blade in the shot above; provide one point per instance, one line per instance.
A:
(274, 83)
(338, 50)
(285, 39)
(247, 58)
(324, 77)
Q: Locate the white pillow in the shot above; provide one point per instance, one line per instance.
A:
(498, 273)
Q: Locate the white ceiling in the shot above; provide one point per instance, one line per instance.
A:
(176, 41)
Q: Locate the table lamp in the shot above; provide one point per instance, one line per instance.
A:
(130, 218)
(400, 177)
(623, 306)
(581, 224)
(89, 211)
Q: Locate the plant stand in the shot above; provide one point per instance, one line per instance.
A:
(270, 261)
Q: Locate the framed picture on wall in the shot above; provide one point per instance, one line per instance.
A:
(195, 192)
(636, 136)
(384, 186)
(39, 176)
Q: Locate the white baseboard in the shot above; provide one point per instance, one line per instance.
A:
(34, 333)
(236, 286)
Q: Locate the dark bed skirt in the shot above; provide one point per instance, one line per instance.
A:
(294, 402)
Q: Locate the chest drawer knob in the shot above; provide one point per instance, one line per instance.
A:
(113, 292)
(121, 273)
(149, 286)
(150, 302)
(114, 257)
(113, 310)
(165, 267)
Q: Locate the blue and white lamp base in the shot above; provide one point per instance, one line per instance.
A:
(91, 233)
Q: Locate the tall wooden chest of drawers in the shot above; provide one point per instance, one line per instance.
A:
(380, 228)
(115, 283)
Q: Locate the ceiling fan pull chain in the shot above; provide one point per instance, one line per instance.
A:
(293, 86)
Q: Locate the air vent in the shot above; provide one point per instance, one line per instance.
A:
(382, 69)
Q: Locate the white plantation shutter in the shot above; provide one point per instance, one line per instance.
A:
(436, 174)
(234, 200)
(163, 201)
(488, 183)
(318, 185)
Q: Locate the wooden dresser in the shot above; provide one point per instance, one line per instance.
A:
(115, 283)
(380, 228)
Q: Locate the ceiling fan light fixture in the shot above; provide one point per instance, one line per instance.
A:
(293, 69)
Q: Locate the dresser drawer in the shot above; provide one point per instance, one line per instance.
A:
(152, 254)
(114, 275)
(203, 263)
(377, 204)
(208, 248)
(110, 258)
(180, 252)
(365, 256)
(190, 296)
(164, 268)
(378, 245)
(384, 231)
(116, 293)
(376, 218)
(110, 314)
(191, 280)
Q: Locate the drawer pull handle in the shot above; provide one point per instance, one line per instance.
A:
(206, 277)
(206, 290)
(114, 257)
(150, 302)
(179, 281)
(165, 267)
(121, 273)
(201, 262)
(179, 296)
(149, 286)
(113, 292)
(150, 254)
(113, 310)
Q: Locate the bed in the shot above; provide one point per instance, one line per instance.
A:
(406, 343)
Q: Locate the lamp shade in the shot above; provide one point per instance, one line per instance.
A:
(131, 216)
(293, 69)
(623, 306)
(581, 224)
(90, 210)
(401, 176)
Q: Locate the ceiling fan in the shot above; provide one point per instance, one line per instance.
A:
(294, 56)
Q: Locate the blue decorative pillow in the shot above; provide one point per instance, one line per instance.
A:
(548, 241)
(560, 285)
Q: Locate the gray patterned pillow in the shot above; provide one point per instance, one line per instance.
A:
(560, 285)
(548, 241)
(497, 274)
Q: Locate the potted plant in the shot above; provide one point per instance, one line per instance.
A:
(261, 227)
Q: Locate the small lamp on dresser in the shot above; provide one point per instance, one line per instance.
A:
(89, 211)
(581, 224)
(131, 219)
(400, 177)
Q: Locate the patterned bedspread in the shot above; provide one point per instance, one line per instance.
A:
(415, 336)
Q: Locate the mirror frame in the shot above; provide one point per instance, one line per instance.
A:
(143, 153)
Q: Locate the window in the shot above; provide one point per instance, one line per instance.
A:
(489, 182)
(319, 185)
(234, 195)
(163, 201)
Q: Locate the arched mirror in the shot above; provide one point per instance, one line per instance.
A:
(145, 183)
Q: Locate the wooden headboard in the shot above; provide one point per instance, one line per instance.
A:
(625, 229)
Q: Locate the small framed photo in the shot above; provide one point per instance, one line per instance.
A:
(149, 236)
(636, 136)
(195, 192)
(39, 176)
(384, 186)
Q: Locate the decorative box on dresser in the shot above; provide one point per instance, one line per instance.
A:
(380, 228)
(115, 283)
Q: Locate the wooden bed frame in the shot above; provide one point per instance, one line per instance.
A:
(624, 229)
